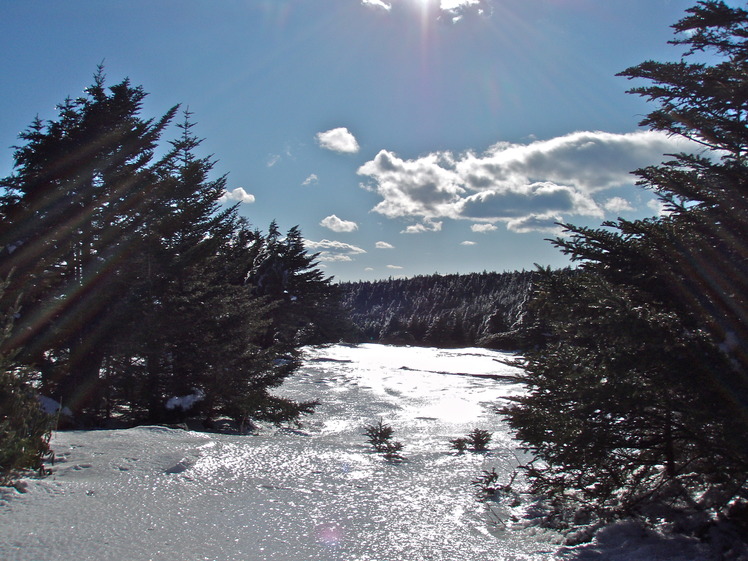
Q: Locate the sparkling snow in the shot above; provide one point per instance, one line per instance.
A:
(319, 493)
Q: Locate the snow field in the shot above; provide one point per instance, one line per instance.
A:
(319, 493)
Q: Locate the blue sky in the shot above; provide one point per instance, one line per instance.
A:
(404, 137)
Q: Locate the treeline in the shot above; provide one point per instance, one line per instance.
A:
(131, 290)
(477, 309)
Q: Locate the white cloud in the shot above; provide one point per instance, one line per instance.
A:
(273, 159)
(377, 4)
(618, 204)
(384, 245)
(238, 194)
(467, 242)
(522, 200)
(425, 187)
(368, 268)
(453, 5)
(590, 161)
(536, 223)
(337, 225)
(520, 185)
(658, 207)
(333, 251)
(394, 267)
(311, 179)
(421, 228)
(338, 140)
(483, 228)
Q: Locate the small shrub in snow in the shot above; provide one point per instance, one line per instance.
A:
(459, 444)
(488, 487)
(479, 440)
(380, 437)
(486, 483)
(392, 450)
(24, 428)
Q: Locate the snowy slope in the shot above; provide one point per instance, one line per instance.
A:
(314, 494)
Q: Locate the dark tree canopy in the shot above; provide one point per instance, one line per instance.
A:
(640, 393)
(134, 283)
(24, 428)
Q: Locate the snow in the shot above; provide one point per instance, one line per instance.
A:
(185, 402)
(51, 407)
(319, 493)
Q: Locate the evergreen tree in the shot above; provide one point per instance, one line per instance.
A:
(134, 280)
(177, 281)
(69, 213)
(307, 307)
(640, 393)
(24, 427)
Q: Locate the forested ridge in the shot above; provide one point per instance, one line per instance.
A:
(476, 309)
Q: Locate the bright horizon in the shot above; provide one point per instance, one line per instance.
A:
(404, 137)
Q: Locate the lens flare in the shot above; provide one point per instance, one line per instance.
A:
(330, 534)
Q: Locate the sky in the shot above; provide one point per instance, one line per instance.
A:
(404, 137)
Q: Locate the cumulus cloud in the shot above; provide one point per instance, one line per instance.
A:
(338, 140)
(508, 202)
(337, 225)
(525, 186)
(311, 179)
(618, 204)
(377, 4)
(384, 245)
(330, 250)
(536, 223)
(483, 228)
(423, 227)
(425, 187)
(468, 242)
(238, 194)
(457, 8)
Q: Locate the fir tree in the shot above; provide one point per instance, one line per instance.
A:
(70, 209)
(24, 427)
(307, 308)
(134, 281)
(640, 393)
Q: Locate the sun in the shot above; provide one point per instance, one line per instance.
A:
(426, 6)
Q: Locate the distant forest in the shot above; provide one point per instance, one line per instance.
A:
(477, 309)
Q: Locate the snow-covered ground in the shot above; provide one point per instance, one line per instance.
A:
(319, 493)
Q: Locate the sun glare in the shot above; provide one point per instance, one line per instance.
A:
(425, 4)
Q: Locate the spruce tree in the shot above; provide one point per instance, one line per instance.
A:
(70, 209)
(24, 427)
(133, 279)
(307, 307)
(640, 392)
